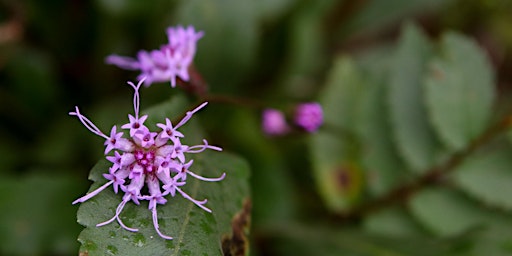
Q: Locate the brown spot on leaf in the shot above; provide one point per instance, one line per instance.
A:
(86, 253)
(237, 244)
(437, 73)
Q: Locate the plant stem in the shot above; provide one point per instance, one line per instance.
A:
(431, 176)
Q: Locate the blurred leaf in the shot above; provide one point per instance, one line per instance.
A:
(194, 230)
(459, 91)
(228, 48)
(270, 9)
(376, 14)
(383, 167)
(416, 140)
(300, 239)
(38, 217)
(392, 222)
(334, 149)
(495, 240)
(487, 177)
(445, 212)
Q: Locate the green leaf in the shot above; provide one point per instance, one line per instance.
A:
(495, 240)
(416, 140)
(195, 231)
(383, 167)
(336, 169)
(300, 239)
(392, 222)
(487, 177)
(459, 91)
(445, 212)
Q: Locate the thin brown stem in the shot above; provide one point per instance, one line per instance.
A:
(237, 101)
(429, 177)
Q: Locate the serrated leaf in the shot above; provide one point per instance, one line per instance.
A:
(336, 169)
(445, 212)
(416, 140)
(195, 231)
(459, 91)
(487, 177)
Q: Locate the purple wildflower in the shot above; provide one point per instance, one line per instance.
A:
(274, 122)
(169, 62)
(309, 116)
(155, 159)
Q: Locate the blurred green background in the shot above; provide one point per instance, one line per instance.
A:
(276, 51)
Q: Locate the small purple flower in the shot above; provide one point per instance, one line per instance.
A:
(274, 122)
(169, 62)
(309, 116)
(146, 157)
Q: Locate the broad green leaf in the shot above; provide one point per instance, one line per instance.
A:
(37, 216)
(383, 168)
(487, 177)
(334, 148)
(445, 212)
(195, 231)
(416, 140)
(459, 91)
(394, 221)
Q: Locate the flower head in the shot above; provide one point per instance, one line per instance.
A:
(155, 159)
(274, 122)
(309, 116)
(169, 62)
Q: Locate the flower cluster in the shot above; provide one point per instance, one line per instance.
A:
(155, 159)
(307, 116)
(169, 62)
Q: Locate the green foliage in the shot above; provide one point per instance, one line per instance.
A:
(411, 117)
(415, 138)
(459, 91)
(409, 160)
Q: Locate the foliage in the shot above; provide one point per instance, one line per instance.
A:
(413, 158)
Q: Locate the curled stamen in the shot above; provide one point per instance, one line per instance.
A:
(196, 202)
(155, 224)
(119, 209)
(201, 148)
(87, 123)
(206, 179)
(92, 194)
